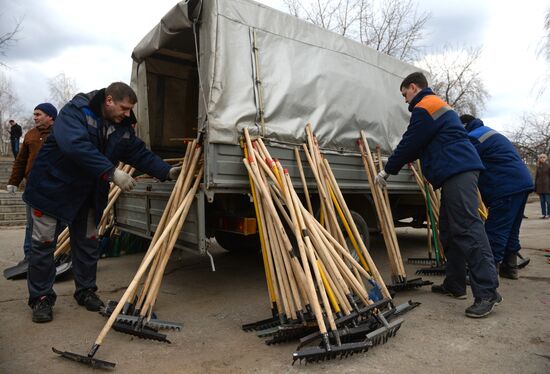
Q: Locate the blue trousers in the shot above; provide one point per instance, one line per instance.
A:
(503, 224)
(28, 233)
(15, 146)
(545, 204)
(84, 253)
(464, 239)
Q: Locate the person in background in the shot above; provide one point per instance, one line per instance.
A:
(15, 134)
(542, 184)
(504, 185)
(450, 162)
(69, 183)
(44, 116)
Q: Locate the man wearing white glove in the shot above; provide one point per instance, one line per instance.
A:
(11, 189)
(123, 180)
(174, 173)
(69, 184)
(436, 136)
(381, 179)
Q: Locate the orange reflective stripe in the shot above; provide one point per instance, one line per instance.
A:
(431, 104)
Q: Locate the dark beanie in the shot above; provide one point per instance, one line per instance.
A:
(48, 109)
(466, 119)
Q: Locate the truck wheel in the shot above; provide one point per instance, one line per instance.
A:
(234, 242)
(363, 232)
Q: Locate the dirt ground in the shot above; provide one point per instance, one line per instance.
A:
(435, 337)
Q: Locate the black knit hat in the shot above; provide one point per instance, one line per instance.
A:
(48, 109)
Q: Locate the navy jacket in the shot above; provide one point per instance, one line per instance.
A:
(70, 168)
(436, 136)
(505, 173)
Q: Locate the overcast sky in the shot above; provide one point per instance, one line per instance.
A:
(92, 42)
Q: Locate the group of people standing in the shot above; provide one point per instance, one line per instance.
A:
(461, 155)
(68, 166)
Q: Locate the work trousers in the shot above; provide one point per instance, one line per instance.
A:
(28, 233)
(464, 239)
(503, 224)
(84, 253)
(545, 204)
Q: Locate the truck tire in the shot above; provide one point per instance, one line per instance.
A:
(363, 232)
(234, 242)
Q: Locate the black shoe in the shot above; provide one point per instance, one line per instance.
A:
(522, 261)
(441, 289)
(23, 261)
(42, 310)
(483, 307)
(89, 299)
(509, 267)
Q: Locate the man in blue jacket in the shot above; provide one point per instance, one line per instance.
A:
(505, 185)
(450, 162)
(69, 183)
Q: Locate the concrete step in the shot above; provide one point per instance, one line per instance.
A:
(17, 222)
(13, 216)
(9, 199)
(13, 208)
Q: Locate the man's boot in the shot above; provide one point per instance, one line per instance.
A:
(509, 267)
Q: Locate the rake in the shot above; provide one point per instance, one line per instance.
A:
(385, 217)
(176, 221)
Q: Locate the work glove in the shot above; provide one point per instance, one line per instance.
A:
(11, 188)
(123, 180)
(174, 173)
(381, 178)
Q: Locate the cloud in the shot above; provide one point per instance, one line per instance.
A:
(42, 35)
(462, 23)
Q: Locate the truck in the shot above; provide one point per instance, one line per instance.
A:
(211, 68)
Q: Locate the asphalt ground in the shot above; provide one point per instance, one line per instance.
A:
(436, 337)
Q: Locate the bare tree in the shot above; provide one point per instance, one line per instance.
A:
(455, 77)
(532, 137)
(544, 51)
(394, 27)
(9, 38)
(339, 16)
(62, 89)
(9, 107)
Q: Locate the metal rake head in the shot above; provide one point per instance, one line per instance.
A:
(86, 360)
(421, 261)
(409, 284)
(142, 332)
(434, 270)
(316, 354)
(262, 324)
(153, 323)
(288, 335)
(385, 332)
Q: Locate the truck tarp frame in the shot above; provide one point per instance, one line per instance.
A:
(308, 75)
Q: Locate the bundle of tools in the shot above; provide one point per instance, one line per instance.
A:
(436, 255)
(318, 292)
(133, 313)
(385, 218)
